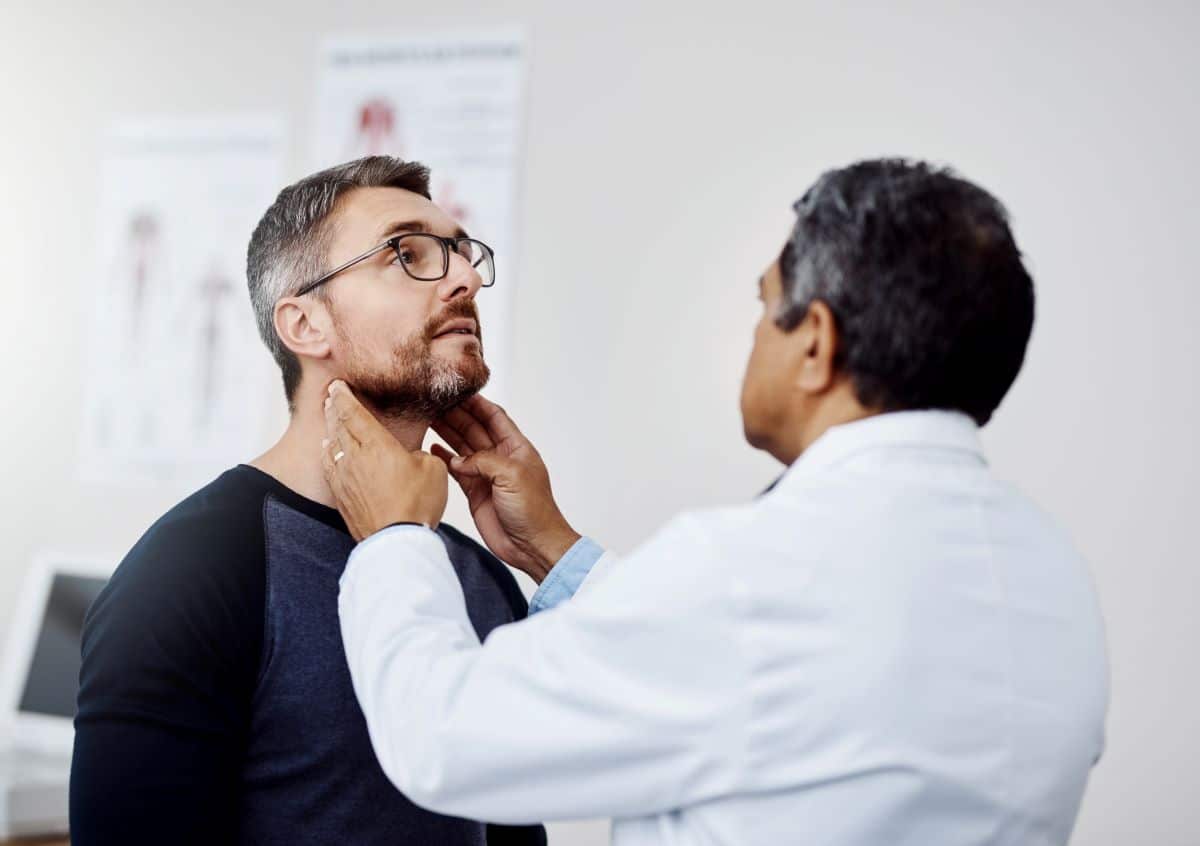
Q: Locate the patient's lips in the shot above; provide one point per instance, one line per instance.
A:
(460, 327)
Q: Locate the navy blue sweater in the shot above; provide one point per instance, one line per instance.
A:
(215, 705)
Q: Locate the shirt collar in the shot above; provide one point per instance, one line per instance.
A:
(947, 430)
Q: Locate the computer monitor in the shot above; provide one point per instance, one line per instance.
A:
(41, 669)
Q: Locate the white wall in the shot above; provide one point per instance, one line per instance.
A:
(665, 144)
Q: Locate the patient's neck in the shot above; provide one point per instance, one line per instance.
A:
(296, 459)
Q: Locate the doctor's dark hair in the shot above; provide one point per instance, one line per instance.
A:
(290, 245)
(932, 303)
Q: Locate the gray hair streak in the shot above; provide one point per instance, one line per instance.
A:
(290, 244)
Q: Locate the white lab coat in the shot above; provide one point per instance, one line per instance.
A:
(890, 647)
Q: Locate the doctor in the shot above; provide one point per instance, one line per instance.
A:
(890, 646)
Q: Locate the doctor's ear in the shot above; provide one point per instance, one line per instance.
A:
(818, 336)
(302, 325)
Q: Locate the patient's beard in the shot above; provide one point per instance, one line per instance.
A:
(419, 384)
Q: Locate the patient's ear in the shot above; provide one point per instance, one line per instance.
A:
(302, 325)
(818, 336)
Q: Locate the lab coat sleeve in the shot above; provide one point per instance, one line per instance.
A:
(600, 571)
(630, 699)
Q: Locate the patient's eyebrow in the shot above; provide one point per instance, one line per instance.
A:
(414, 226)
(401, 226)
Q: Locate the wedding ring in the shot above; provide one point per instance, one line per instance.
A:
(338, 456)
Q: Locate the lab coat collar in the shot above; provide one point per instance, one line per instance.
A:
(944, 430)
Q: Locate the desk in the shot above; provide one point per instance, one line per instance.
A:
(36, 841)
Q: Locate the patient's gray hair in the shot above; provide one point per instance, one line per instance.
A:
(290, 245)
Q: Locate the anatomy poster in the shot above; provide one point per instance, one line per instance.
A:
(453, 102)
(176, 376)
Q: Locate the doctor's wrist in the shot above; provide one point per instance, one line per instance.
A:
(549, 549)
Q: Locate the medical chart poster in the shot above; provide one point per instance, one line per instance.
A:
(176, 378)
(455, 103)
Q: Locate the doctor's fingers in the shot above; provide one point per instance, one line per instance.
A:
(331, 454)
(451, 436)
(344, 408)
(468, 428)
(494, 418)
(473, 486)
(327, 462)
(344, 497)
(335, 430)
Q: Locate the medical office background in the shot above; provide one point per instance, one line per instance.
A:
(658, 150)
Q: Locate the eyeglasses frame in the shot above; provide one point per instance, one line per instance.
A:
(448, 245)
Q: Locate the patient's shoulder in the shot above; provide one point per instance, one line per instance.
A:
(185, 605)
(212, 536)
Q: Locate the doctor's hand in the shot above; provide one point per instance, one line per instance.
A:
(376, 481)
(507, 487)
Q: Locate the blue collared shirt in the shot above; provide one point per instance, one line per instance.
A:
(566, 576)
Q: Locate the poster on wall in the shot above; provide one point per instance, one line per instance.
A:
(176, 377)
(455, 103)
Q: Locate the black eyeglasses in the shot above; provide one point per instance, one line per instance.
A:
(424, 257)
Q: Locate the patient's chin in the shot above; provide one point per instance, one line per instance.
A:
(474, 371)
(464, 375)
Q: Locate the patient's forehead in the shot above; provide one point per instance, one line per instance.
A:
(370, 215)
(771, 283)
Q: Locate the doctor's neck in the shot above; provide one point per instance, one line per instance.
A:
(808, 423)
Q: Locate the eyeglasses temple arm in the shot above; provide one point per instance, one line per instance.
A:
(323, 279)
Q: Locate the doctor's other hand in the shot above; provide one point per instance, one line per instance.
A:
(507, 486)
(376, 481)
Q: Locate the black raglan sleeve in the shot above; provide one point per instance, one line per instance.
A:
(171, 650)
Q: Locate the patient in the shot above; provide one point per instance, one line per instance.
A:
(215, 704)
